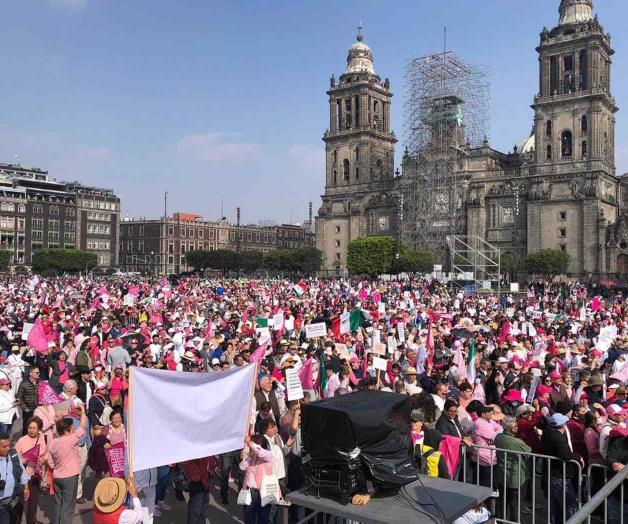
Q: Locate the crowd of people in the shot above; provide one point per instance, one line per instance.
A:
(540, 372)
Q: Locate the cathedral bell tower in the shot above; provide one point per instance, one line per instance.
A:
(574, 190)
(359, 150)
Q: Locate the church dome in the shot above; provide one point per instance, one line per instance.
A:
(575, 11)
(360, 58)
(527, 146)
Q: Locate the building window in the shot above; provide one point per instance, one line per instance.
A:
(338, 257)
(336, 243)
(69, 225)
(584, 124)
(257, 238)
(170, 231)
(231, 235)
(140, 231)
(562, 232)
(357, 173)
(53, 210)
(184, 231)
(563, 247)
(53, 236)
(21, 208)
(70, 211)
(563, 215)
(201, 233)
(566, 144)
(335, 176)
(337, 229)
(345, 170)
(140, 247)
(548, 155)
(548, 129)
(382, 223)
(53, 224)
(211, 234)
(584, 149)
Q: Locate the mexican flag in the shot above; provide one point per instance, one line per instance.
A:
(300, 288)
(341, 324)
(471, 365)
(261, 322)
(357, 317)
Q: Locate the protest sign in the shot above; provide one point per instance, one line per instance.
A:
(294, 389)
(26, 329)
(342, 350)
(380, 364)
(263, 332)
(115, 459)
(375, 337)
(401, 332)
(129, 300)
(379, 348)
(392, 344)
(315, 330)
(533, 387)
(277, 322)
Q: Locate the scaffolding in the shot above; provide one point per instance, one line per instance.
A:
(475, 263)
(446, 112)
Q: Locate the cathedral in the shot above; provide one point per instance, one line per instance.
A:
(557, 189)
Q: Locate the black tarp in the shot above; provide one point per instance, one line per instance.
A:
(375, 421)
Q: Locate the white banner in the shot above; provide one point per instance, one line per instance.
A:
(26, 329)
(195, 414)
(315, 330)
(401, 332)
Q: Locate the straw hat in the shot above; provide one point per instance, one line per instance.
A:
(109, 494)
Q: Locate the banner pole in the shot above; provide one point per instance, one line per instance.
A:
(247, 428)
(129, 430)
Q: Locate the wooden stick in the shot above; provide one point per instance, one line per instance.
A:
(251, 399)
(129, 430)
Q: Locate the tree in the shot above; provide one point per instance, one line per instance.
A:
(63, 261)
(250, 261)
(5, 259)
(412, 261)
(198, 259)
(547, 263)
(510, 264)
(371, 256)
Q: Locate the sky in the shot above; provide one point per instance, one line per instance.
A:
(225, 101)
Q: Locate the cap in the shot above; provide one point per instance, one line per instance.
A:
(502, 360)
(484, 409)
(558, 420)
(554, 375)
(523, 409)
(613, 409)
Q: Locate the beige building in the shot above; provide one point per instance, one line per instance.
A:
(557, 189)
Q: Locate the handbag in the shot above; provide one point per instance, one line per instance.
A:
(269, 491)
(244, 497)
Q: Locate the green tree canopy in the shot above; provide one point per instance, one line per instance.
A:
(547, 263)
(371, 256)
(412, 261)
(5, 259)
(63, 260)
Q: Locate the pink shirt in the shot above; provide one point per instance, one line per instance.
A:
(63, 454)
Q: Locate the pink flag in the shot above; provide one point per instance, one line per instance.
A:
(305, 374)
(258, 355)
(134, 291)
(504, 331)
(429, 344)
(37, 337)
(596, 303)
(209, 332)
(115, 458)
(46, 395)
(458, 360)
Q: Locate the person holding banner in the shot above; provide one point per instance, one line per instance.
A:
(257, 463)
(32, 450)
(65, 461)
(109, 507)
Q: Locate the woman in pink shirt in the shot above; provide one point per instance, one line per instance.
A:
(258, 463)
(32, 451)
(485, 430)
(64, 459)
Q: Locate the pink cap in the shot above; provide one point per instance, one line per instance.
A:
(613, 409)
(543, 390)
(554, 374)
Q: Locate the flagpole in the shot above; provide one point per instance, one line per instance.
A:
(247, 428)
(129, 430)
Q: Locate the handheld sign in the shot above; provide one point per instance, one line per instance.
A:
(294, 390)
(379, 348)
(315, 330)
(380, 364)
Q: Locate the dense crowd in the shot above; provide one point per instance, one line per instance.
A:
(543, 372)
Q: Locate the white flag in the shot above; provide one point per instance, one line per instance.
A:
(345, 323)
(177, 416)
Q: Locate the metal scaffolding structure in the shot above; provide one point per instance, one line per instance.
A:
(446, 112)
(474, 261)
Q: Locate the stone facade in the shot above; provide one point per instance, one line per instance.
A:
(360, 152)
(557, 189)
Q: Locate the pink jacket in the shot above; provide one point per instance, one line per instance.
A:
(484, 433)
(256, 465)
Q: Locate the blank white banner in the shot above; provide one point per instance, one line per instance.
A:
(176, 416)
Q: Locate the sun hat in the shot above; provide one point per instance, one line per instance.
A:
(558, 420)
(410, 371)
(109, 494)
(523, 409)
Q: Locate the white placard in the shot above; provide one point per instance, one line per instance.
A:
(401, 332)
(375, 337)
(533, 387)
(381, 307)
(380, 363)
(294, 390)
(263, 332)
(288, 323)
(392, 345)
(26, 329)
(277, 321)
(315, 330)
(379, 348)
(514, 287)
(129, 300)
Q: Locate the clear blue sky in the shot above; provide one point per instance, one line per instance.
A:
(206, 98)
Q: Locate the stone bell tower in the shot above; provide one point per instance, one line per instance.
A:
(359, 150)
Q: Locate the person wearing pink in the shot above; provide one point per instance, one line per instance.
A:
(49, 418)
(32, 451)
(258, 463)
(484, 432)
(116, 432)
(65, 461)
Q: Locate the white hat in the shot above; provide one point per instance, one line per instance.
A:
(502, 360)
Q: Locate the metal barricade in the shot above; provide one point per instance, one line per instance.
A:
(541, 487)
